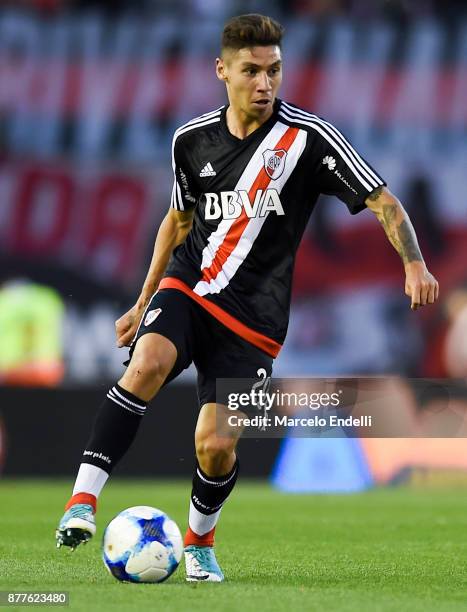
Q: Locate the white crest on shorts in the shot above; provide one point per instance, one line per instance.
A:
(152, 316)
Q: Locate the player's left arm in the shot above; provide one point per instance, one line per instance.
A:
(420, 285)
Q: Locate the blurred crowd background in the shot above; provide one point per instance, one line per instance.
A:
(400, 10)
(90, 94)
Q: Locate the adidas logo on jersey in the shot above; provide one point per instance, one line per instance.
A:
(231, 204)
(208, 170)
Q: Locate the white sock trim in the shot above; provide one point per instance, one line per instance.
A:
(122, 397)
(215, 483)
(202, 523)
(90, 479)
(114, 399)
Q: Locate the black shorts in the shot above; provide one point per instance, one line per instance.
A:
(216, 351)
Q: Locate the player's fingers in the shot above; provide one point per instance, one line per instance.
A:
(431, 293)
(123, 324)
(118, 329)
(424, 289)
(408, 290)
(125, 339)
(415, 297)
(436, 290)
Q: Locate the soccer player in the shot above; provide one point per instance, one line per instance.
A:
(217, 293)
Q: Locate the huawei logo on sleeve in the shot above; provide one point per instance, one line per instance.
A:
(330, 162)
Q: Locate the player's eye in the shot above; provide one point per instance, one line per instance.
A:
(250, 71)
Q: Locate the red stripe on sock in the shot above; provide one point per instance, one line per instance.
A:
(83, 498)
(193, 539)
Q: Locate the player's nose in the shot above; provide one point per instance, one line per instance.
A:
(264, 82)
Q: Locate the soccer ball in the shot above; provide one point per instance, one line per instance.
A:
(142, 544)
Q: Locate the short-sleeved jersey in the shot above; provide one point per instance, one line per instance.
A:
(253, 199)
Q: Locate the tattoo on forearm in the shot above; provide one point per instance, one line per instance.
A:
(374, 195)
(408, 239)
(400, 232)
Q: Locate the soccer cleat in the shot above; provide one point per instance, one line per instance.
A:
(201, 564)
(76, 527)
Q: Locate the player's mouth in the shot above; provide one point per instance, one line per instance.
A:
(262, 102)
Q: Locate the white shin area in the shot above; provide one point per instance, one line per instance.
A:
(90, 479)
(202, 523)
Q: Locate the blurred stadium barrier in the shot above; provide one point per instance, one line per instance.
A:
(89, 101)
(88, 105)
(43, 432)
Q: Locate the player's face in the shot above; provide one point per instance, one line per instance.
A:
(253, 76)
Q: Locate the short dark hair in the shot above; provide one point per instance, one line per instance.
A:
(251, 30)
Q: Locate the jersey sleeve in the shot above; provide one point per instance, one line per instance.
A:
(340, 170)
(184, 192)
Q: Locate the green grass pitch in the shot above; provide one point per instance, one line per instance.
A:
(401, 549)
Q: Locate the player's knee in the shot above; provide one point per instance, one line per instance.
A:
(145, 368)
(211, 447)
(150, 362)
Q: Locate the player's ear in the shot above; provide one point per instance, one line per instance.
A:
(220, 69)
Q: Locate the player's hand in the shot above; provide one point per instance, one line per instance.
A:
(420, 285)
(127, 325)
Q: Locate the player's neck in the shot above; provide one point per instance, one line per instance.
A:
(242, 125)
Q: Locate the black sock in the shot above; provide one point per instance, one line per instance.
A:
(114, 429)
(210, 492)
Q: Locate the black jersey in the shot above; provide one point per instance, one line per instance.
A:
(253, 198)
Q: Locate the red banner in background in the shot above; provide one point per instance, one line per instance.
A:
(128, 88)
(96, 221)
(101, 221)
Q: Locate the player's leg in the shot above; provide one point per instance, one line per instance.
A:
(115, 427)
(227, 356)
(214, 478)
(160, 354)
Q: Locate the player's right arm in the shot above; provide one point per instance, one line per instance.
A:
(172, 232)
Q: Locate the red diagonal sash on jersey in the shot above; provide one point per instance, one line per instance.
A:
(237, 228)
